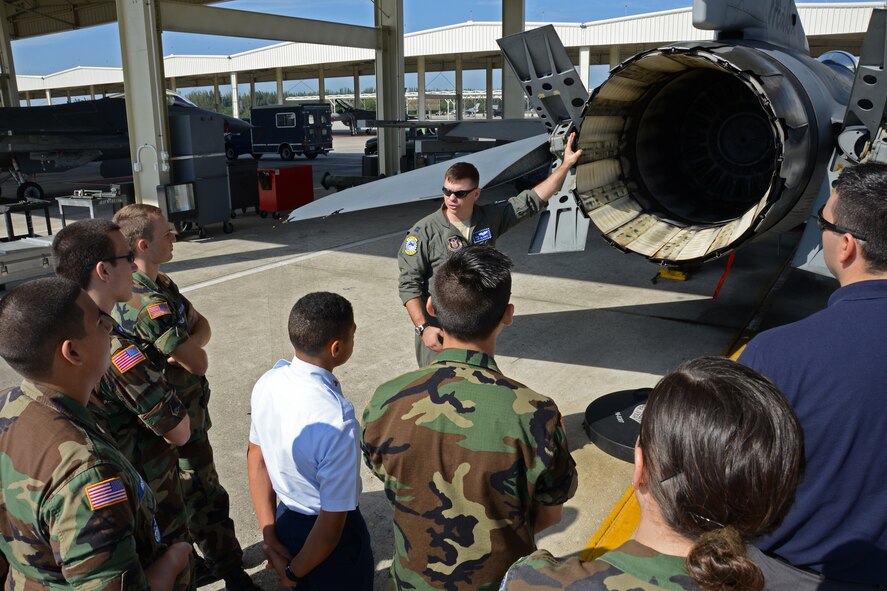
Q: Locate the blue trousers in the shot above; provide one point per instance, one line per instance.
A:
(350, 566)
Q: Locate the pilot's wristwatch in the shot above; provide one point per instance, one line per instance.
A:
(421, 328)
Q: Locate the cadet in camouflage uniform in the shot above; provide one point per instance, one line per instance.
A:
(474, 463)
(74, 513)
(458, 223)
(160, 315)
(133, 401)
(717, 462)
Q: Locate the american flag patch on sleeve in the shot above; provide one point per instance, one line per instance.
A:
(127, 359)
(158, 310)
(105, 493)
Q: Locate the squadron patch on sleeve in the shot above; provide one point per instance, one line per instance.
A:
(454, 243)
(158, 310)
(105, 493)
(127, 359)
(411, 245)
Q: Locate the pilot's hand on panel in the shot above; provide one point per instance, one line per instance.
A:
(172, 361)
(433, 338)
(571, 157)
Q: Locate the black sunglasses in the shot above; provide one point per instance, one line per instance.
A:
(130, 258)
(458, 194)
(824, 225)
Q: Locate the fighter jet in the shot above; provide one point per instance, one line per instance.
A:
(690, 150)
(347, 113)
(57, 138)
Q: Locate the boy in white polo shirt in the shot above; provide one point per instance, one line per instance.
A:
(303, 452)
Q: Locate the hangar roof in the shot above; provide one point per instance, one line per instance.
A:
(829, 26)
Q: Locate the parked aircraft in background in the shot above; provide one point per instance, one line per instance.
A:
(56, 138)
(691, 149)
(345, 111)
(474, 111)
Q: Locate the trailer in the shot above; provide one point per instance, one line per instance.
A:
(288, 130)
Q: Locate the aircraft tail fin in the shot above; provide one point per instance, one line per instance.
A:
(773, 21)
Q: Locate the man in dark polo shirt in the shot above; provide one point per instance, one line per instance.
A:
(458, 223)
(832, 366)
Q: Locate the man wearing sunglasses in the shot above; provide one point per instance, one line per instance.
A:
(832, 367)
(132, 401)
(458, 223)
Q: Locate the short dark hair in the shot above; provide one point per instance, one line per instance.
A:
(35, 318)
(462, 171)
(135, 222)
(723, 454)
(471, 290)
(78, 247)
(862, 207)
(318, 318)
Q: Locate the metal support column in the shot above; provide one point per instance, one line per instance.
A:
(489, 109)
(614, 56)
(390, 83)
(513, 98)
(48, 97)
(235, 96)
(460, 107)
(279, 74)
(420, 79)
(217, 98)
(321, 83)
(172, 84)
(8, 82)
(144, 84)
(356, 88)
(584, 65)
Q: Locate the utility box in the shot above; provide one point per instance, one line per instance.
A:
(242, 185)
(285, 189)
(288, 130)
(198, 157)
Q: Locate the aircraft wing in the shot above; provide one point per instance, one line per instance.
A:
(499, 165)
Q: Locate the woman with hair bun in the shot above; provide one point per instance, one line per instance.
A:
(716, 465)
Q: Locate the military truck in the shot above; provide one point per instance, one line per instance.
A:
(288, 130)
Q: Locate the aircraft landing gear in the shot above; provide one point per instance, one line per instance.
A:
(29, 191)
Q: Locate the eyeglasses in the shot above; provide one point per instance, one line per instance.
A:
(824, 225)
(458, 194)
(130, 258)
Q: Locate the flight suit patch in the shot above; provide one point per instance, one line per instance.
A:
(411, 245)
(454, 243)
(481, 236)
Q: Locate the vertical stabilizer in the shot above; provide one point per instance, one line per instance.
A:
(773, 21)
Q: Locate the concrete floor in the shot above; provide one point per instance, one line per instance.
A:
(587, 324)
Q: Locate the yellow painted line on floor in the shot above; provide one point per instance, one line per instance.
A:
(616, 528)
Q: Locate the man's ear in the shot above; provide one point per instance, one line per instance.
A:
(101, 271)
(848, 249)
(334, 347)
(508, 316)
(637, 477)
(69, 351)
(141, 245)
(429, 307)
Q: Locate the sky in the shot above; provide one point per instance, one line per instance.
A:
(99, 46)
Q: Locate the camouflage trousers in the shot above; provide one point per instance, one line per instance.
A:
(171, 516)
(206, 500)
(207, 503)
